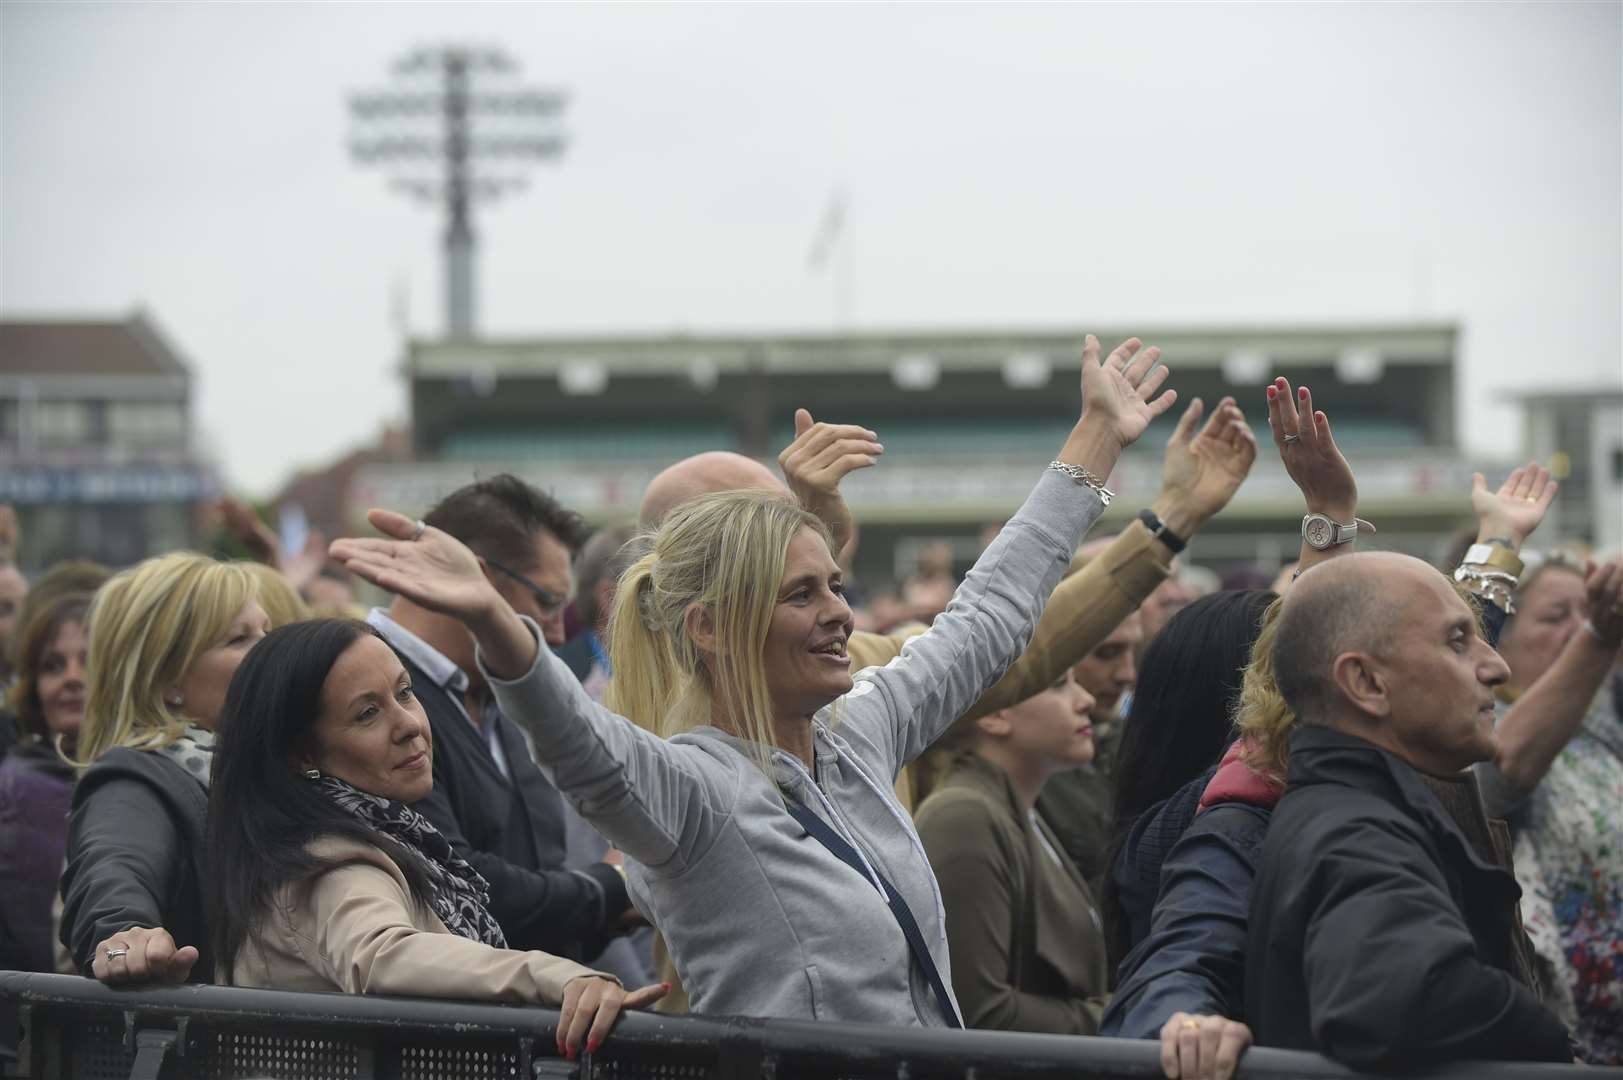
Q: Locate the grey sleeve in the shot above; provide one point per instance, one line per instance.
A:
(909, 703)
(659, 802)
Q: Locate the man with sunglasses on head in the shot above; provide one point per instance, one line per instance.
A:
(490, 800)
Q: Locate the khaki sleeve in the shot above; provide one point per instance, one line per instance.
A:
(876, 650)
(361, 921)
(1083, 610)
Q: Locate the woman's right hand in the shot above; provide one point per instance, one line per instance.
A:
(591, 1005)
(432, 569)
(1202, 1047)
(1310, 454)
(142, 955)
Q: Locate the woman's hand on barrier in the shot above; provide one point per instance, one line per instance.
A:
(142, 955)
(1510, 514)
(591, 1005)
(1202, 1047)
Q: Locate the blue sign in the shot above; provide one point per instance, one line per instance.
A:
(107, 484)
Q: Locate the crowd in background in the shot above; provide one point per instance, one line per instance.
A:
(1359, 804)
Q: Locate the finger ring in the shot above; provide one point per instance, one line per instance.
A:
(1191, 1025)
(115, 953)
(1291, 439)
(418, 531)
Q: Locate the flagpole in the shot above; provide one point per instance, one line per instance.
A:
(844, 277)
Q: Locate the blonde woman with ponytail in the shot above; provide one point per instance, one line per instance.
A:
(761, 833)
(166, 636)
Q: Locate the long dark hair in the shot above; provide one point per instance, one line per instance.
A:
(1182, 716)
(262, 813)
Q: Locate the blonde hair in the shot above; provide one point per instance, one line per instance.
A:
(724, 552)
(1262, 719)
(147, 626)
(282, 603)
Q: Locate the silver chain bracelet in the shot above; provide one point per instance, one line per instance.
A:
(1084, 478)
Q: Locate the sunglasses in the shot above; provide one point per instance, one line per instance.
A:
(552, 605)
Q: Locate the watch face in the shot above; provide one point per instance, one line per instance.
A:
(1317, 532)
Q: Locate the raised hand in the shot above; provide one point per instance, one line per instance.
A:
(819, 458)
(1603, 586)
(1118, 393)
(244, 523)
(1202, 472)
(1510, 514)
(1310, 454)
(427, 566)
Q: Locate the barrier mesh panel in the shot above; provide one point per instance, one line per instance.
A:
(434, 1061)
(245, 1055)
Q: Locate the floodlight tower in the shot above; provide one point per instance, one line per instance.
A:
(456, 129)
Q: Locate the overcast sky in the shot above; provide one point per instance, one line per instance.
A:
(1008, 165)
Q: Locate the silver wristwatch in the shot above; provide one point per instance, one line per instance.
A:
(1322, 532)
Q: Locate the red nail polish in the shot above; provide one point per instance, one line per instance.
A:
(591, 1046)
(1271, 393)
(1302, 393)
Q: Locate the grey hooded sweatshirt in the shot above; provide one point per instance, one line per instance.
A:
(761, 919)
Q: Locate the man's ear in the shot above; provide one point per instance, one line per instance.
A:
(700, 627)
(1361, 681)
(994, 724)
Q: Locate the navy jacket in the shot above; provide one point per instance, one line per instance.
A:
(1193, 958)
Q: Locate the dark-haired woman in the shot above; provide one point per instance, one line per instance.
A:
(36, 785)
(1183, 716)
(324, 878)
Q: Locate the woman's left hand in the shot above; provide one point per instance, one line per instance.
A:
(591, 1005)
(435, 570)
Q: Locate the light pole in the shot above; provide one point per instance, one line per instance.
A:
(455, 128)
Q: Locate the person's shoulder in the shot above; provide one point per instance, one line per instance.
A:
(962, 818)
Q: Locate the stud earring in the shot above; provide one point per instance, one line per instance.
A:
(312, 774)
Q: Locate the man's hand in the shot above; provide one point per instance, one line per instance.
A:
(1510, 514)
(1118, 393)
(1202, 472)
(815, 463)
(142, 955)
(1202, 1047)
(1310, 454)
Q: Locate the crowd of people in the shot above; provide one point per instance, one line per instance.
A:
(1362, 805)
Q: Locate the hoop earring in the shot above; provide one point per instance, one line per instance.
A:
(312, 774)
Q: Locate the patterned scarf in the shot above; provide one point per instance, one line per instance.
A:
(457, 892)
(194, 752)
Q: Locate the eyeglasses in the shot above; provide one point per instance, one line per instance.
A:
(552, 605)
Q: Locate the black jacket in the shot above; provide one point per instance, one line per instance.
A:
(135, 856)
(1377, 934)
(512, 832)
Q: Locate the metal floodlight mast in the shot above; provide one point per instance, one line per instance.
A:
(455, 130)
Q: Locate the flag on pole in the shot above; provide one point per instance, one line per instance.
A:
(828, 232)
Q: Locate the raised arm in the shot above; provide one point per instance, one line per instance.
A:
(1549, 713)
(1315, 465)
(814, 464)
(1200, 474)
(1492, 566)
(649, 798)
(941, 673)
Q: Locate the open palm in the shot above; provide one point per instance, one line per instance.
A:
(436, 570)
(1119, 391)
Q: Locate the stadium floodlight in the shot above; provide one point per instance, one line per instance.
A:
(456, 129)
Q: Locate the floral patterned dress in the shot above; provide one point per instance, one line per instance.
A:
(1569, 861)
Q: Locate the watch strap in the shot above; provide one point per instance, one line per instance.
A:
(1158, 529)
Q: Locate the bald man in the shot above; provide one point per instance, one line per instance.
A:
(1379, 934)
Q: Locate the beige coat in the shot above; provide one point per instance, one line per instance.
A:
(354, 927)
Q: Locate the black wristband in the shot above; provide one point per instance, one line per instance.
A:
(1159, 530)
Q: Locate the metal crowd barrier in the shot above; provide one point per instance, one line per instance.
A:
(72, 1028)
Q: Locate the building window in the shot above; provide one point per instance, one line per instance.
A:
(61, 423)
(146, 423)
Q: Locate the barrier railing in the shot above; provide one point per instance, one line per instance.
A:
(73, 1028)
